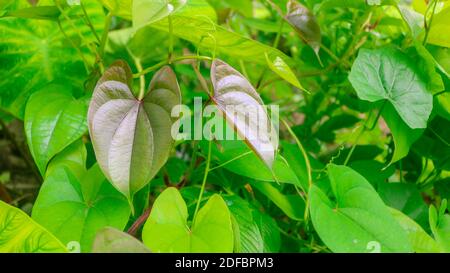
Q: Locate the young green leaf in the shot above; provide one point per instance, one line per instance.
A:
(196, 22)
(305, 24)
(111, 240)
(440, 225)
(421, 242)
(238, 158)
(358, 218)
(388, 74)
(132, 136)
(440, 28)
(150, 11)
(53, 120)
(18, 233)
(243, 108)
(284, 71)
(76, 209)
(167, 229)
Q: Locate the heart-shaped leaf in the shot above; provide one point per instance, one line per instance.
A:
(357, 219)
(53, 120)
(18, 233)
(75, 209)
(111, 240)
(388, 74)
(167, 229)
(244, 110)
(305, 24)
(132, 137)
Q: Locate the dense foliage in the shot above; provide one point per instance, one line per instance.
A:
(88, 158)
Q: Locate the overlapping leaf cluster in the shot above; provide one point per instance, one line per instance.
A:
(361, 163)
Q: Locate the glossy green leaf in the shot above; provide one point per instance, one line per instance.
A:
(420, 241)
(53, 120)
(440, 28)
(132, 136)
(358, 219)
(284, 71)
(440, 226)
(111, 240)
(305, 24)
(244, 110)
(238, 158)
(74, 210)
(167, 229)
(20, 234)
(150, 11)
(388, 74)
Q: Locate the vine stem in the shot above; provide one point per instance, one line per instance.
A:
(307, 164)
(141, 79)
(174, 60)
(428, 24)
(139, 222)
(170, 39)
(363, 130)
(104, 38)
(205, 176)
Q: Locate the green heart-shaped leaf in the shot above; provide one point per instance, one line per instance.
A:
(244, 110)
(388, 74)
(132, 137)
(75, 208)
(358, 219)
(53, 120)
(19, 233)
(167, 229)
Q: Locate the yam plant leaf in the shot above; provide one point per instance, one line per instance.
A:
(440, 225)
(420, 241)
(167, 228)
(74, 209)
(284, 71)
(404, 137)
(196, 22)
(388, 74)
(53, 120)
(40, 12)
(440, 28)
(20, 234)
(150, 11)
(33, 53)
(243, 109)
(111, 240)
(238, 158)
(357, 219)
(305, 24)
(131, 136)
